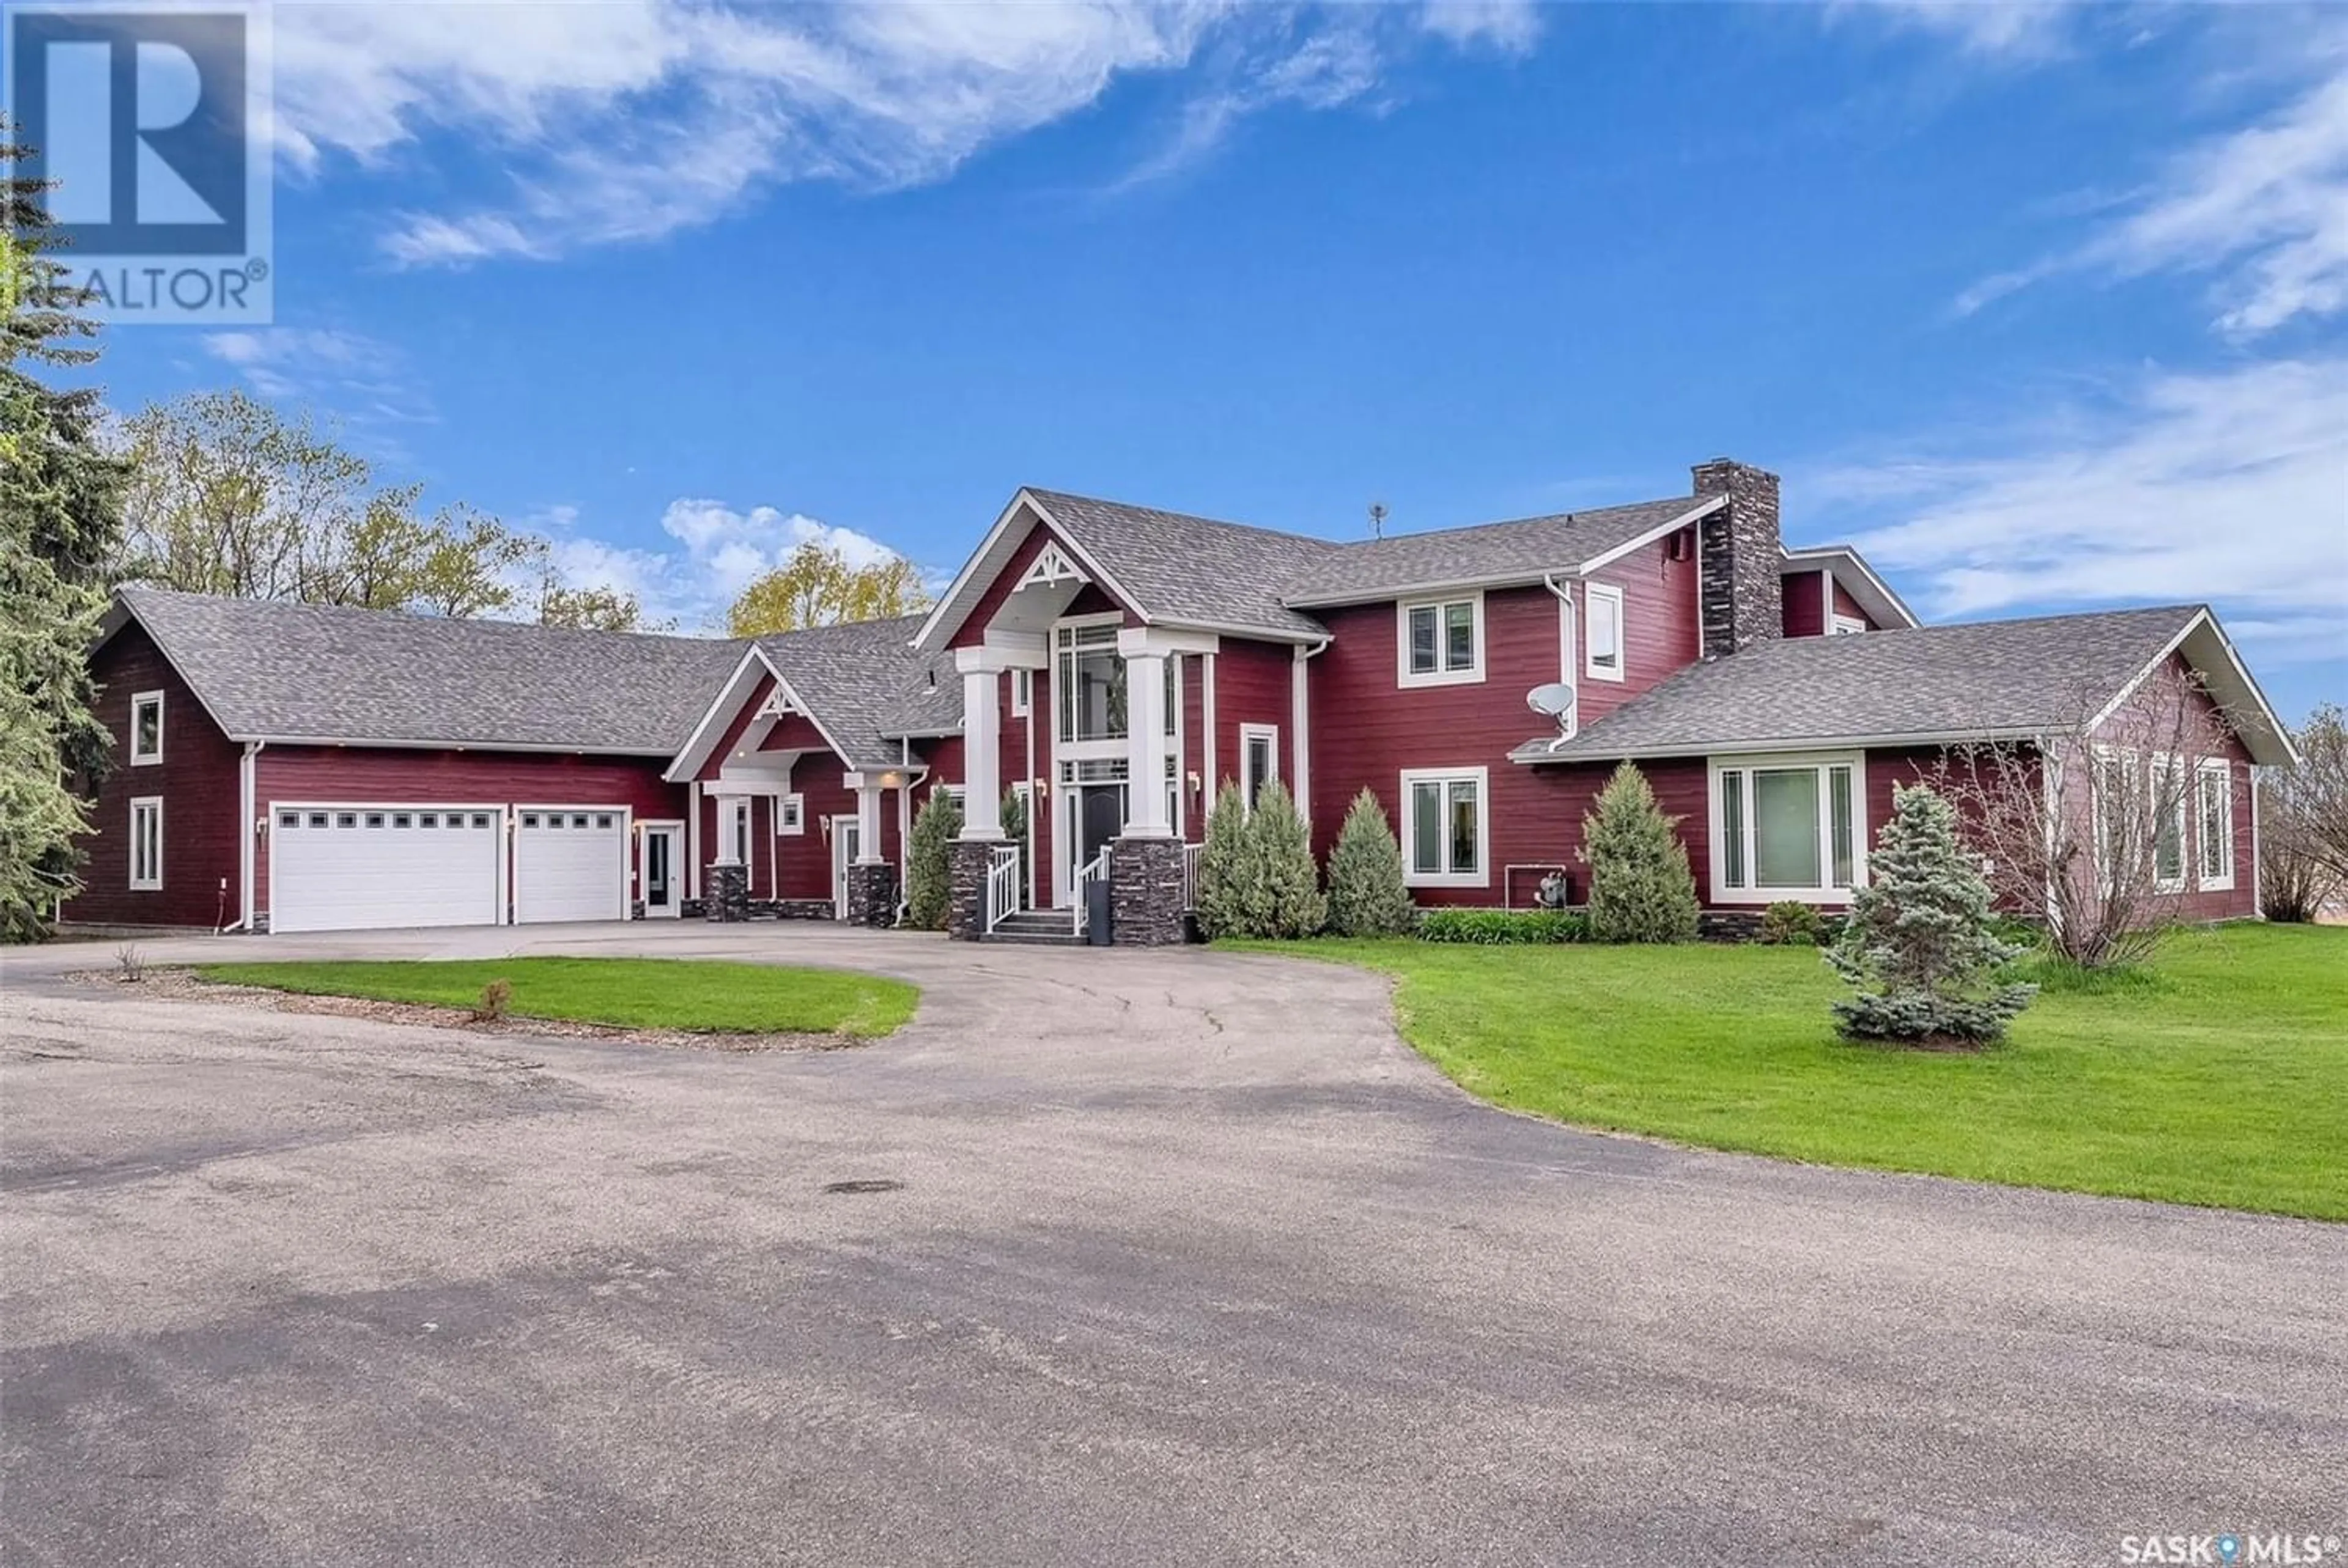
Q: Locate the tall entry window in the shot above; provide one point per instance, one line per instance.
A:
(1787, 828)
(1091, 684)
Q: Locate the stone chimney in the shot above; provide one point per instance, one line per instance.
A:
(1743, 595)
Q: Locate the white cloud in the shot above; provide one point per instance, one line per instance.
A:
(718, 550)
(2230, 487)
(2262, 208)
(2007, 31)
(628, 119)
(347, 376)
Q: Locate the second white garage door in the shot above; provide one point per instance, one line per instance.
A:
(569, 865)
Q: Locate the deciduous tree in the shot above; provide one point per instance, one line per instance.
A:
(2303, 822)
(818, 587)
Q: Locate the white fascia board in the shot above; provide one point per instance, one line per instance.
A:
(946, 619)
(1703, 508)
(1874, 595)
(1786, 743)
(2232, 661)
(696, 750)
(1133, 641)
(1093, 569)
(534, 748)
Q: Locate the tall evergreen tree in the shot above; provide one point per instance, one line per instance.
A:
(1284, 884)
(1225, 871)
(60, 524)
(1641, 889)
(1920, 943)
(1367, 894)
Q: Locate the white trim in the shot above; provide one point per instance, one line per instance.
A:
(1781, 743)
(2203, 618)
(790, 815)
(2203, 770)
(1703, 508)
(693, 799)
(1050, 568)
(146, 805)
(1592, 592)
(1844, 625)
(672, 828)
(2180, 813)
(249, 830)
(549, 808)
(736, 840)
(1270, 736)
(501, 825)
(1300, 703)
(2258, 852)
(1473, 674)
(1207, 722)
(1745, 765)
(139, 700)
(837, 844)
(1023, 692)
(1481, 877)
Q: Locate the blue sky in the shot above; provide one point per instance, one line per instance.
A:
(2042, 305)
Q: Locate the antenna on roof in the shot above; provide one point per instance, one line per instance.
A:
(1378, 519)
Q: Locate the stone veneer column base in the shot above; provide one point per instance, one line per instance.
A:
(726, 893)
(1145, 893)
(966, 910)
(872, 895)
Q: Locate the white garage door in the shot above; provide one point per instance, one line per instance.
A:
(569, 865)
(346, 866)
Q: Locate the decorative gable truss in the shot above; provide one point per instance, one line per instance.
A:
(1051, 568)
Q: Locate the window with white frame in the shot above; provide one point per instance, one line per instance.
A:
(1023, 692)
(1259, 760)
(147, 843)
(2213, 799)
(2168, 812)
(145, 729)
(1446, 836)
(1601, 640)
(1090, 681)
(790, 814)
(1844, 626)
(737, 829)
(1788, 828)
(1442, 641)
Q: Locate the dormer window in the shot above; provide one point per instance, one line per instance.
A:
(1441, 641)
(145, 729)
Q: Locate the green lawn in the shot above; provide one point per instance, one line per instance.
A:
(2219, 1077)
(634, 993)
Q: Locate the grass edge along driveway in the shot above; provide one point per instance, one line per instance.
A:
(692, 994)
(2217, 1077)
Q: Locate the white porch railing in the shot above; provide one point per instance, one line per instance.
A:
(1190, 854)
(1095, 870)
(1002, 884)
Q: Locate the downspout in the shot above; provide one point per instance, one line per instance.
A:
(248, 831)
(1569, 633)
(1299, 706)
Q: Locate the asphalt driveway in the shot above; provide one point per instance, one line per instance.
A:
(1192, 1262)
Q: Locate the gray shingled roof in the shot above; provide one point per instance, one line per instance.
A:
(1192, 569)
(268, 670)
(1982, 678)
(853, 678)
(1521, 551)
(927, 707)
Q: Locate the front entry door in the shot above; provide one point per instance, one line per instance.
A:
(844, 851)
(658, 873)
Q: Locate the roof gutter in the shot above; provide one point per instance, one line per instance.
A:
(1789, 743)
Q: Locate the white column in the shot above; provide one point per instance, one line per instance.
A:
(693, 839)
(867, 825)
(1145, 771)
(981, 773)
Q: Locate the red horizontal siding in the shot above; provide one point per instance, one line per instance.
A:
(197, 779)
(1801, 614)
(1662, 628)
(1255, 684)
(399, 776)
(1089, 600)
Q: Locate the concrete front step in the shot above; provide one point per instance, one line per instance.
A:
(1043, 927)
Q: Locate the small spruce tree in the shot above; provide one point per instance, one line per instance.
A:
(1921, 943)
(1223, 866)
(1284, 882)
(928, 863)
(1641, 889)
(1367, 897)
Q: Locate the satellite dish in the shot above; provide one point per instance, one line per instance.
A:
(1555, 699)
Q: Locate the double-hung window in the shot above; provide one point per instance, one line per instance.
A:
(1442, 641)
(2213, 799)
(145, 729)
(2168, 813)
(1788, 828)
(1446, 836)
(1259, 760)
(147, 843)
(1602, 620)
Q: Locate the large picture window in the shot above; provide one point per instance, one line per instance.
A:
(1445, 830)
(1442, 641)
(1788, 828)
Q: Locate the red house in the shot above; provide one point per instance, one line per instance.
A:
(1108, 666)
